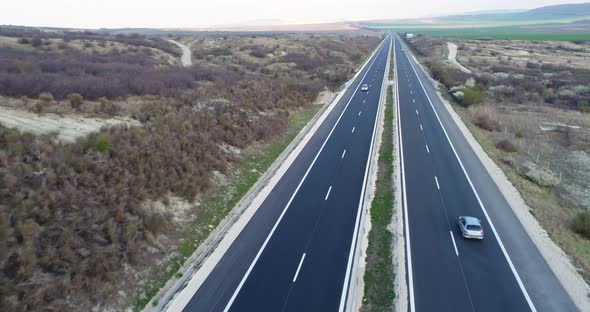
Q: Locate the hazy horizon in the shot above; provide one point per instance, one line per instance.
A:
(186, 14)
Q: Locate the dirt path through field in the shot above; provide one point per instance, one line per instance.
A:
(453, 57)
(186, 57)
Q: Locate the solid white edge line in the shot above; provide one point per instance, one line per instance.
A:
(298, 268)
(454, 245)
(405, 201)
(328, 194)
(343, 153)
(235, 294)
(359, 210)
(437, 185)
(514, 272)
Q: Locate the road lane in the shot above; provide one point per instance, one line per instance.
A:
(487, 274)
(317, 224)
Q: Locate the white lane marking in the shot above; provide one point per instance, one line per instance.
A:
(353, 129)
(343, 153)
(427, 149)
(421, 129)
(298, 268)
(454, 245)
(413, 100)
(436, 180)
(485, 212)
(416, 112)
(360, 112)
(405, 198)
(251, 267)
(359, 210)
(328, 194)
(411, 92)
(364, 101)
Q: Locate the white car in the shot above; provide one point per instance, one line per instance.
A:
(470, 227)
(365, 87)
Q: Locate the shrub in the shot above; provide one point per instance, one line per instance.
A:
(103, 145)
(46, 97)
(519, 134)
(507, 146)
(36, 41)
(75, 100)
(24, 41)
(584, 106)
(440, 73)
(38, 107)
(485, 121)
(581, 224)
(472, 95)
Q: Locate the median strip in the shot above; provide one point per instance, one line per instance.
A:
(379, 276)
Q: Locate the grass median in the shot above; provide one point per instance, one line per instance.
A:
(379, 277)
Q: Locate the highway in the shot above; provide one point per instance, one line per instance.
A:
(442, 179)
(295, 253)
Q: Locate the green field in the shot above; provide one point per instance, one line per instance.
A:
(503, 33)
(493, 26)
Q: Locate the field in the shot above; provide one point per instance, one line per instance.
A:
(101, 222)
(527, 104)
(517, 26)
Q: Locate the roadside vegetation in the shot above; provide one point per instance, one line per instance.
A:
(526, 104)
(102, 222)
(379, 276)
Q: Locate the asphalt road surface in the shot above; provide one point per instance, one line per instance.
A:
(294, 253)
(443, 179)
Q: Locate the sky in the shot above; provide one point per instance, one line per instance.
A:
(211, 13)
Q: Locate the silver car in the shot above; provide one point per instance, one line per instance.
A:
(365, 87)
(470, 227)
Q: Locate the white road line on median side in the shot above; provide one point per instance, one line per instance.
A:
(298, 268)
(251, 267)
(454, 245)
(343, 153)
(427, 149)
(353, 129)
(506, 256)
(328, 194)
(437, 185)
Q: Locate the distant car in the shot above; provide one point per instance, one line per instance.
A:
(365, 87)
(470, 227)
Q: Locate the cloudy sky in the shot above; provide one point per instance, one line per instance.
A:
(202, 13)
